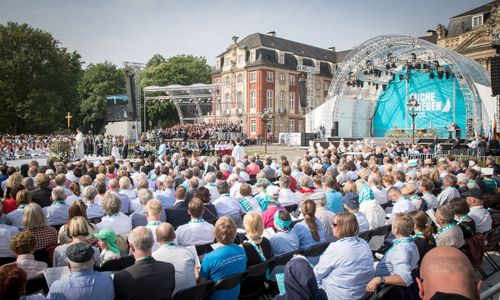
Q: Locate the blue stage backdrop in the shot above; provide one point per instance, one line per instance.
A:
(435, 96)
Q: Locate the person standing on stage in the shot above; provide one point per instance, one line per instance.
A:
(457, 131)
(79, 141)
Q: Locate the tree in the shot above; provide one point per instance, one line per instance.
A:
(38, 80)
(98, 81)
(180, 69)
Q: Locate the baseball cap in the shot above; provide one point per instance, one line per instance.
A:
(351, 200)
(474, 192)
(317, 196)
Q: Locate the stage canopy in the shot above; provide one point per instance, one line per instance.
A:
(370, 90)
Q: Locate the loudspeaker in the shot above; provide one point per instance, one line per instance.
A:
(495, 75)
(302, 92)
(335, 129)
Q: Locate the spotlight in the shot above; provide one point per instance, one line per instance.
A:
(401, 77)
(440, 74)
(447, 75)
(431, 75)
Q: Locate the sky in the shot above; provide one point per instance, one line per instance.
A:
(135, 30)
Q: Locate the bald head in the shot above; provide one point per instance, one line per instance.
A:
(165, 233)
(447, 270)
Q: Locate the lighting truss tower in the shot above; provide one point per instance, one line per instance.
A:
(310, 85)
(136, 71)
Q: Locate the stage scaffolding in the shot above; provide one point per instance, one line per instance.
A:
(194, 103)
(397, 51)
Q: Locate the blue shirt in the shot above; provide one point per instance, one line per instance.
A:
(283, 242)
(166, 197)
(334, 201)
(56, 213)
(223, 262)
(15, 218)
(306, 239)
(401, 259)
(345, 268)
(83, 285)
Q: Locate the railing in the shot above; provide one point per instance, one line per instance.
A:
(492, 293)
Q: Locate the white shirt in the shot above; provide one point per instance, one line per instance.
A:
(119, 223)
(195, 234)
(380, 195)
(287, 197)
(404, 206)
(238, 153)
(481, 217)
(184, 263)
(7, 232)
(227, 205)
(234, 191)
(447, 194)
(152, 226)
(375, 215)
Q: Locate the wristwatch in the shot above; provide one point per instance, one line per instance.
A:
(381, 279)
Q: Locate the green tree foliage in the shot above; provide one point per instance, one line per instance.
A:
(38, 80)
(180, 69)
(98, 81)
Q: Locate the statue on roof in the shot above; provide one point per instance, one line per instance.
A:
(441, 31)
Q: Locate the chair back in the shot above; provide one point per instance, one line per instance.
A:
(284, 258)
(291, 208)
(316, 250)
(228, 282)
(474, 249)
(116, 265)
(366, 235)
(36, 284)
(259, 269)
(203, 249)
(196, 292)
(382, 231)
(213, 221)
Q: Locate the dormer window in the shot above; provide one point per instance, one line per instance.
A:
(217, 63)
(281, 57)
(252, 56)
(477, 21)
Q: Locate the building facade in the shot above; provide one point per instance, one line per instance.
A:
(260, 83)
(470, 33)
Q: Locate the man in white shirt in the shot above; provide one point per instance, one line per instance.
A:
(238, 151)
(197, 231)
(234, 191)
(113, 218)
(401, 203)
(154, 209)
(226, 205)
(185, 263)
(449, 192)
(478, 213)
(114, 188)
(287, 197)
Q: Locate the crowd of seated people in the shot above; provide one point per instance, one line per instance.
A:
(164, 225)
(199, 130)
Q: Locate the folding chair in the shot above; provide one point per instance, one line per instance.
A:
(196, 292)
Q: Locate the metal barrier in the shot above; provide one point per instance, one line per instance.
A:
(492, 293)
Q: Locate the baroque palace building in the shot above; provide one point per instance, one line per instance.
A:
(470, 33)
(260, 83)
